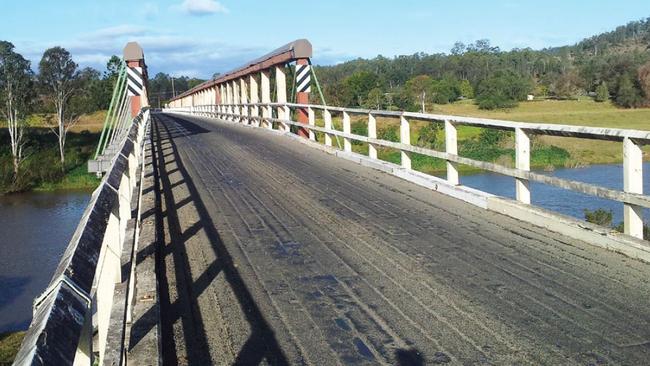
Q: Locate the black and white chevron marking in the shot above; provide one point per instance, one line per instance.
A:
(303, 78)
(135, 84)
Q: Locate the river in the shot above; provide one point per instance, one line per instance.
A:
(36, 227)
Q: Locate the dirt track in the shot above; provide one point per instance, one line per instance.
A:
(275, 253)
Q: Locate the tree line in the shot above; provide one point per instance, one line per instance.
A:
(61, 91)
(613, 65)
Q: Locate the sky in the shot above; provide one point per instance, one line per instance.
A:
(200, 37)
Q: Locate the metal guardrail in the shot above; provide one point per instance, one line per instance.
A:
(632, 140)
(80, 300)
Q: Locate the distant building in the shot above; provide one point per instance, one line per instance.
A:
(530, 97)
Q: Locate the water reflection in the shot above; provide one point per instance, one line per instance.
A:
(34, 231)
(561, 200)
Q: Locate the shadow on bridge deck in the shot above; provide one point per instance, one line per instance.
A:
(183, 242)
(274, 253)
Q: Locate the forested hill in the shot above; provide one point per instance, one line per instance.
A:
(609, 65)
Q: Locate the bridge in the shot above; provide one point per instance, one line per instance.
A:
(236, 226)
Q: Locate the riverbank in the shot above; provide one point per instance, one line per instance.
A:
(41, 169)
(9, 345)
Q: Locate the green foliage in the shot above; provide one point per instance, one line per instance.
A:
(599, 217)
(375, 99)
(42, 167)
(466, 89)
(359, 128)
(602, 93)
(503, 90)
(419, 89)
(428, 135)
(389, 133)
(628, 95)
(357, 86)
(9, 346)
(491, 136)
(446, 91)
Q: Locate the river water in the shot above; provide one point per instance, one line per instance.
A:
(35, 228)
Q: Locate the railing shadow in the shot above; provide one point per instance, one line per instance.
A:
(261, 344)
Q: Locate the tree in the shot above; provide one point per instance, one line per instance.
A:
(375, 99)
(503, 90)
(602, 93)
(358, 85)
(566, 85)
(419, 88)
(644, 80)
(466, 89)
(627, 95)
(446, 91)
(58, 78)
(16, 95)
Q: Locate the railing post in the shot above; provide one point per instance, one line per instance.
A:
(281, 90)
(255, 98)
(312, 122)
(244, 100)
(451, 147)
(327, 117)
(266, 98)
(372, 133)
(347, 143)
(405, 138)
(632, 183)
(236, 101)
(229, 110)
(522, 162)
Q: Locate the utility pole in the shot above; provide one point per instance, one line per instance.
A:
(173, 90)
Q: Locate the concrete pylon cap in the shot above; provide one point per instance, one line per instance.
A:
(133, 51)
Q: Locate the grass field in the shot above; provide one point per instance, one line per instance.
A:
(92, 122)
(584, 112)
(9, 344)
(551, 150)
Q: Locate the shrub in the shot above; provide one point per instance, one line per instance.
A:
(429, 135)
(599, 217)
(388, 134)
(502, 90)
(602, 93)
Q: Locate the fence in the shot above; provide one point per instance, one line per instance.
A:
(92, 288)
(632, 196)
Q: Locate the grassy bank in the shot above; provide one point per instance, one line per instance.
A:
(42, 170)
(9, 345)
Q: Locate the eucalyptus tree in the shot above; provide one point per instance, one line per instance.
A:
(16, 96)
(59, 80)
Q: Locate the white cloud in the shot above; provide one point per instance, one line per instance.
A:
(202, 7)
(150, 10)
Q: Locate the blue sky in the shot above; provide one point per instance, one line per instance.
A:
(200, 37)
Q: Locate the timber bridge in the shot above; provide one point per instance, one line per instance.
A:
(239, 227)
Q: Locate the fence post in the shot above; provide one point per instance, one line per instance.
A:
(229, 110)
(451, 147)
(632, 183)
(281, 90)
(244, 100)
(347, 143)
(266, 98)
(255, 98)
(327, 117)
(405, 138)
(312, 122)
(522, 147)
(372, 133)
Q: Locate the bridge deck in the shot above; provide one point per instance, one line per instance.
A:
(276, 253)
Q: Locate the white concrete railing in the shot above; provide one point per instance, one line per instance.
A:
(80, 300)
(632, 140)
